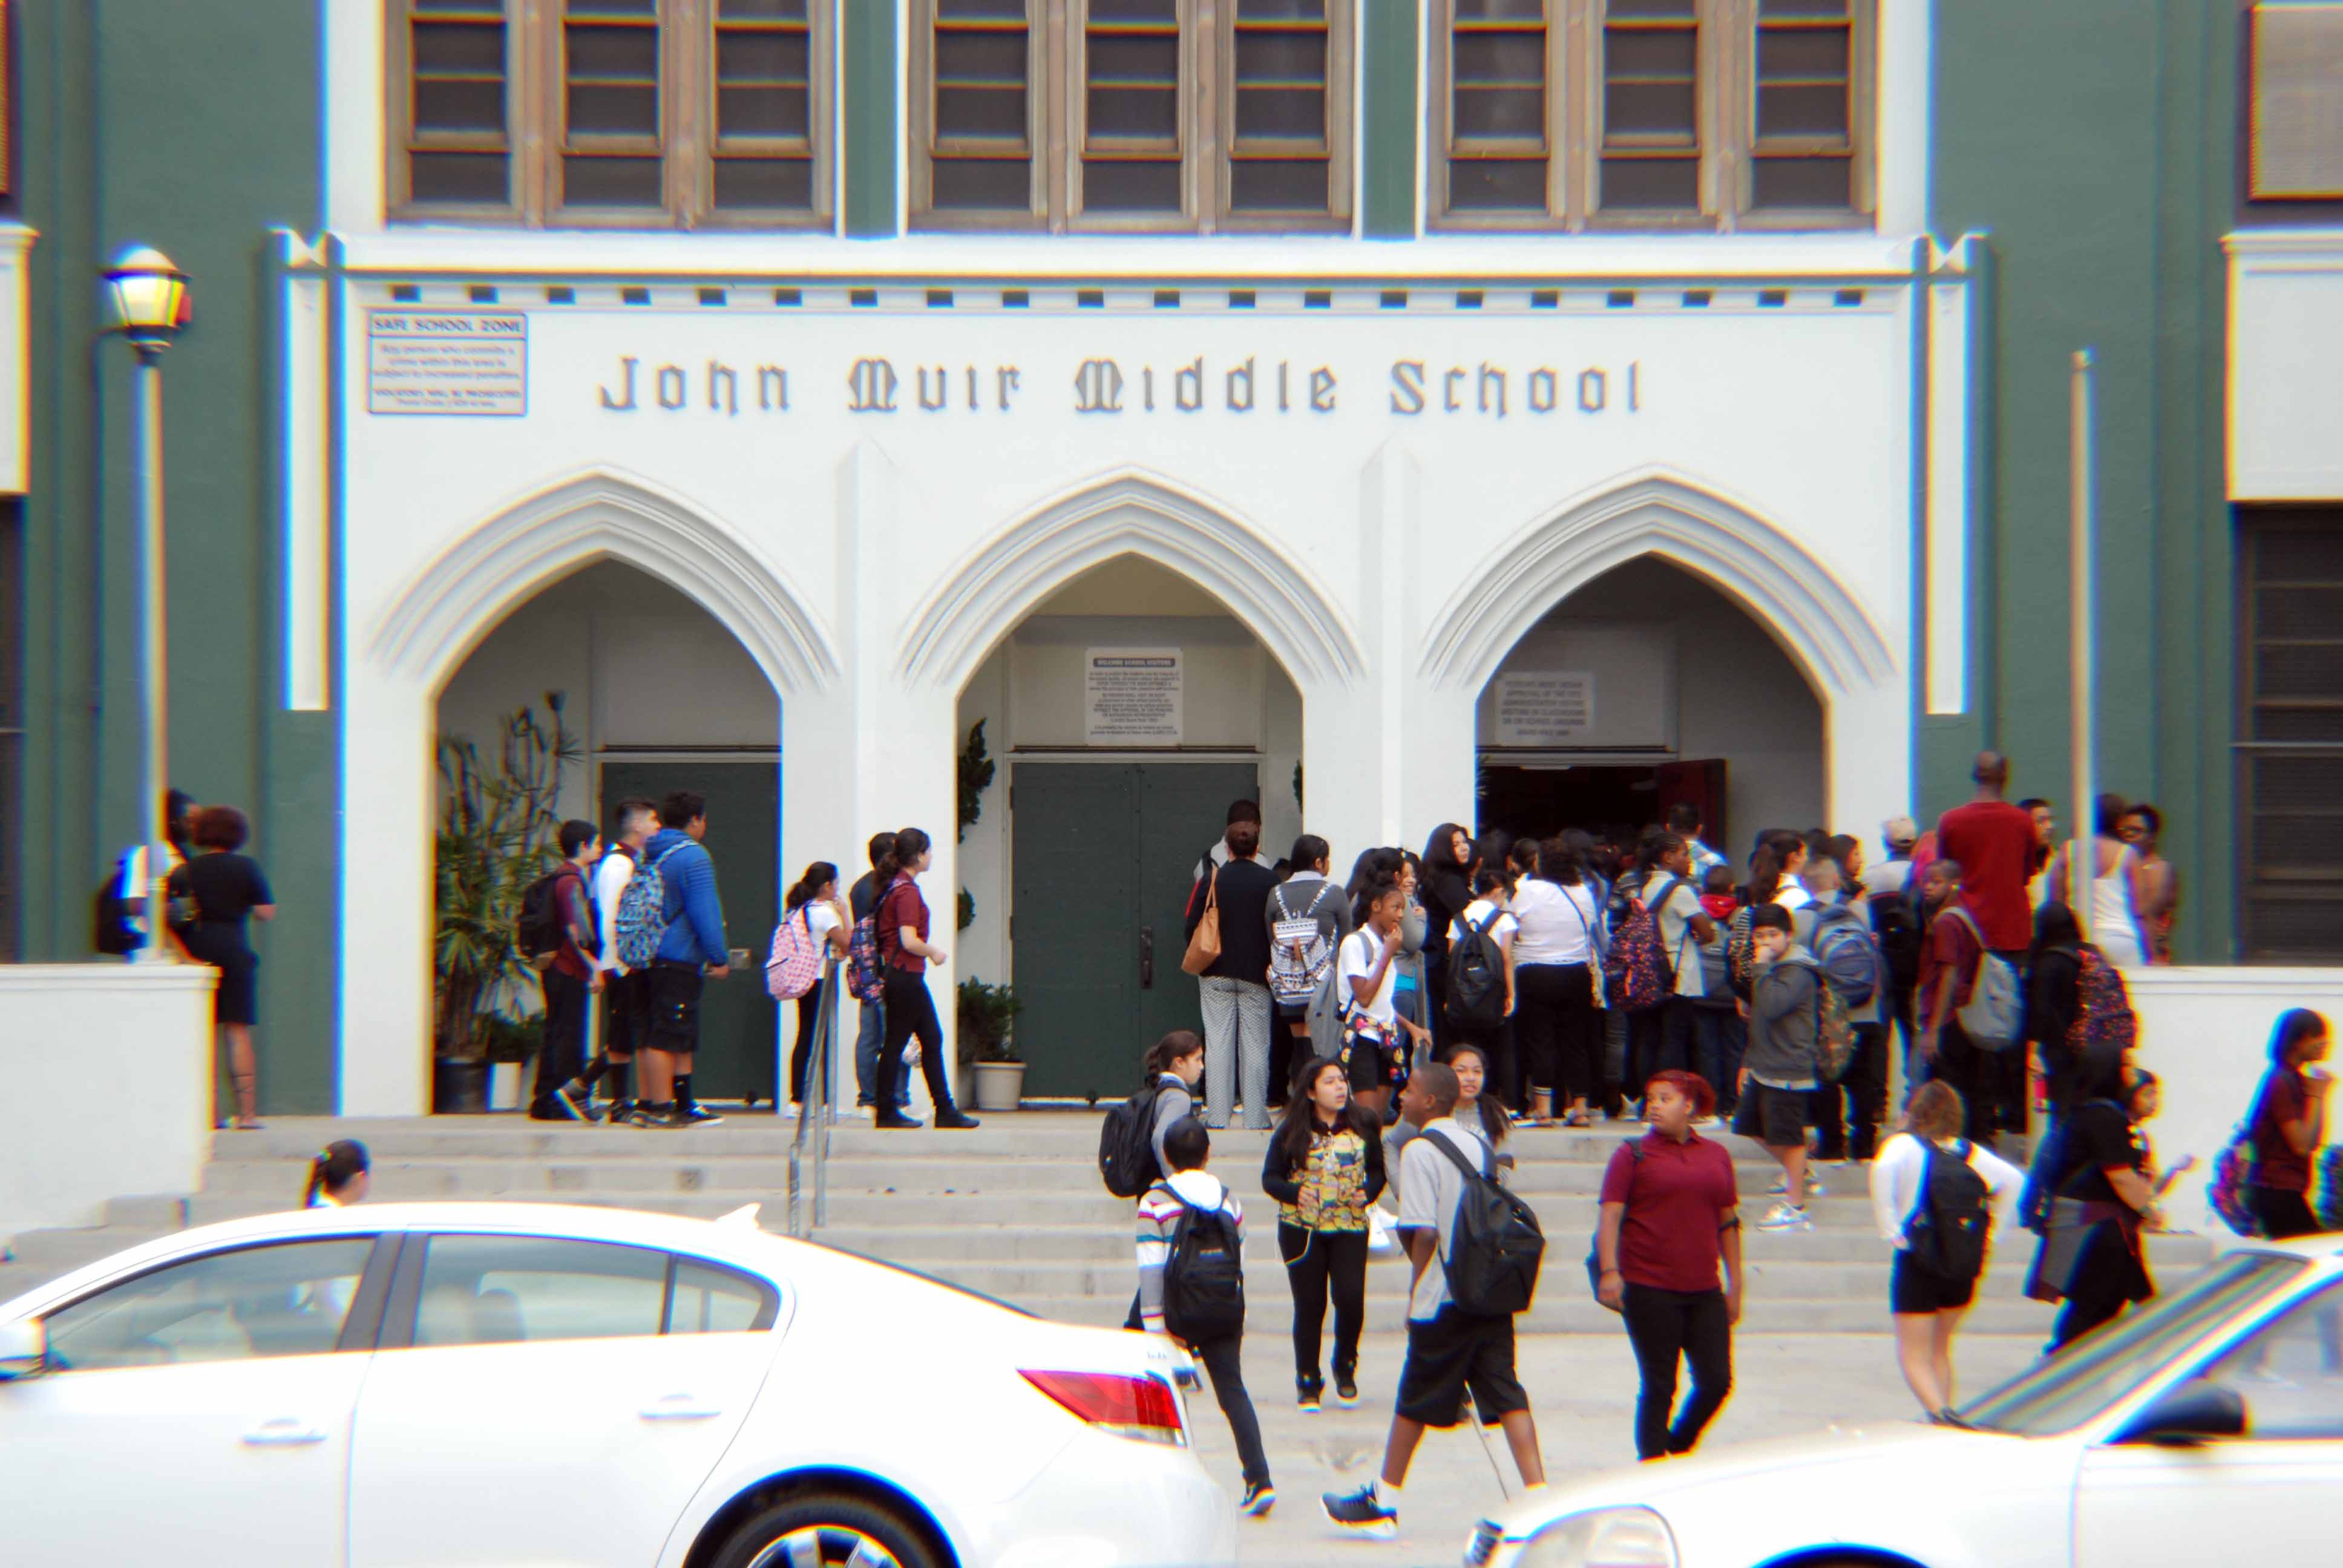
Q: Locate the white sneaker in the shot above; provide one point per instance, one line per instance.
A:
(1786, 1217)
(1815, 1188)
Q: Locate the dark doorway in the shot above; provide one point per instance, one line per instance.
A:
(1543, 797)
(1103, 856)
(739, 1023)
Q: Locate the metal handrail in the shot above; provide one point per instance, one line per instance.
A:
(817, 1110)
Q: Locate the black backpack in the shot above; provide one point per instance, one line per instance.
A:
(1497, 1247)
(1897, 924)
(1203, 1276)
(539, 929)
(1946, 1233)
(110, 928)
(1476, 978)
(1127, 1144)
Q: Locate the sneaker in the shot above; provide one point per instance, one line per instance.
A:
(1308, 1391)
(1346, 1389)
(1785, 1216)
(889, 1122)
(642, 1113)
(1259, 1499)
(955, 1119)
(695, 1115)
(1815, 1188)
(618, 1113)
(1360, 1513)
(566, 1102)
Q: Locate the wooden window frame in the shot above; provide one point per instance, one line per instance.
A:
(535, 136)
(1056, 108)
(1726, 116)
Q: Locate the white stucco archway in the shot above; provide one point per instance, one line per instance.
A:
(1823, 623)
(439, 615)
(402, 655)
(981, 597)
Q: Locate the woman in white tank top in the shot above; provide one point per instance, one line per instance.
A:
(2116, 929)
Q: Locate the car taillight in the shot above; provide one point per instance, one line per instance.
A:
(1140, 1407)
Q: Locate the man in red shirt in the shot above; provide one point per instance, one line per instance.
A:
(1950, 956)
(1999, 850)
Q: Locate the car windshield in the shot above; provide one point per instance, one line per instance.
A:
(2061, 1393)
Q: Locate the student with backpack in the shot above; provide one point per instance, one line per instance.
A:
(687, 951)
(1670, 1221)
(1779, 1074)
(1460, 1317)
(2288, 1123)
(1233, 989)
(2105, 1194)
(1130, 1143)
(1889, 899)
(1678, 925)
(1936, 1196)
(1720, 1033)
(1324, 1168)
(904, 954)
(1191, 1247)
(1375, 1033)
(811, 935)
(868, 985)
(626, 994)
(1309, 915)
(1849, 1108)
(1479, 983)
(558, 935)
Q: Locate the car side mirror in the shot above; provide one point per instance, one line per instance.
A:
(24, 1350)
(2187, 1414)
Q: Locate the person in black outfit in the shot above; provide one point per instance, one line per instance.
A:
(2053, 968)
(2091, 1254)
(1444, 889)
(211, 898)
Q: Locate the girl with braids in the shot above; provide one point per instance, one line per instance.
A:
(815, 901)
(340, 1174)
(1325, 1166)
(904, 955)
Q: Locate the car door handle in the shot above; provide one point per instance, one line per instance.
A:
(284, 1431)
(680, 1407)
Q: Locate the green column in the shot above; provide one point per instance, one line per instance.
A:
(873, 90)
(1390, 35)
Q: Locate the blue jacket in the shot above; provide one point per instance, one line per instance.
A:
(695, 920)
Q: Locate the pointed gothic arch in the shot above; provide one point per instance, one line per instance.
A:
(1827, 633)
(442, 613)
(981, 597)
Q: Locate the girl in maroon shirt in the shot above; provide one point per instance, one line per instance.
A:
(2289, 1124)
(904, 955)
(1671, 1217)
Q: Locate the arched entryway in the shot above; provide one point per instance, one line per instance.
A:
(1139, 660)
(1655, 625)
(667, 634)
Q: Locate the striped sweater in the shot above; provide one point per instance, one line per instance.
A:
(1158, 1219)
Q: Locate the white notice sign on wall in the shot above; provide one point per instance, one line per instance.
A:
(472, 362)
(1545, 707)
(1130, 696)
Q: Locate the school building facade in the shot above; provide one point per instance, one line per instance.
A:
(1393, 412)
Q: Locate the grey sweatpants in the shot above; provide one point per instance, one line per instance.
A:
(1237, 1019)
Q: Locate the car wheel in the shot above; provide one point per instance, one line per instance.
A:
(825, 1530)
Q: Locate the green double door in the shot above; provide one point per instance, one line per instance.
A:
(740, 1023)
(1103, 858)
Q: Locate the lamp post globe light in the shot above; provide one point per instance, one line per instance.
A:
(146, 302)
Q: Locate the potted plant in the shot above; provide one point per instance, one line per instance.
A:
(986, 1014)
(495, 835)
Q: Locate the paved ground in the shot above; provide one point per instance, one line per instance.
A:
(1582, 1388)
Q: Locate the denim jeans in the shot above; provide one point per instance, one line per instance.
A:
(1721, 1037)
(870, 1035)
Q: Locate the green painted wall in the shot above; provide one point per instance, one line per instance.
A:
(1391, 39)
(2094, 140)
(872, 89)
(194, 128)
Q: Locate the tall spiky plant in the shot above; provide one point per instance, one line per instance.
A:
(498, 832)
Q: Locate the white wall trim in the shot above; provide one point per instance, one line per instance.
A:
(987, 592)
(465, 592)
(1833, 639)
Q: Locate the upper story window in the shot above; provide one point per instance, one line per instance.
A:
(1651, 114)
(2293, 152)
(612, 113)
(1165, 115)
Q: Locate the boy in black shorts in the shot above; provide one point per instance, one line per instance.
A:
(1449, 1352)
(1778, 1077)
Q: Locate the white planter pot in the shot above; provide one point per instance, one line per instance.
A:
(504, 1084)
(1000, 1085)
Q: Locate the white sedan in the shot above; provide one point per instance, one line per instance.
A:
(2206, 1423)
(433, 1384)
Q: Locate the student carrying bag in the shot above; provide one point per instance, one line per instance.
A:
(1203, 1276)
(1494, 1252)
(1947, 1229)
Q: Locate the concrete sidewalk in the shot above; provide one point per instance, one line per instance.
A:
(1582, 1388)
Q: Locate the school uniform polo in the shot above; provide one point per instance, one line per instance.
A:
(1675, 1194)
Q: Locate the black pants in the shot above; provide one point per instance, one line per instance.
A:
(1975, 1074)
(1495, 1044)
(2108, 1277)
(809, 1020)
(561, 1054)
(1646, 1043)
(2283, 1214)
(1723, 1040)
(1318, 1264)
(1664, 1325)
(1846, 1114)
(1223, 1362)
(911, 1010)
(1559, 1028)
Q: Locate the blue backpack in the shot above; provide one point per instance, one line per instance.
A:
(640, 921)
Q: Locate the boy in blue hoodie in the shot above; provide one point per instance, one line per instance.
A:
(691, 953)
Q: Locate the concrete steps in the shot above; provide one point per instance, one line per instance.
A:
(1014, 1210)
